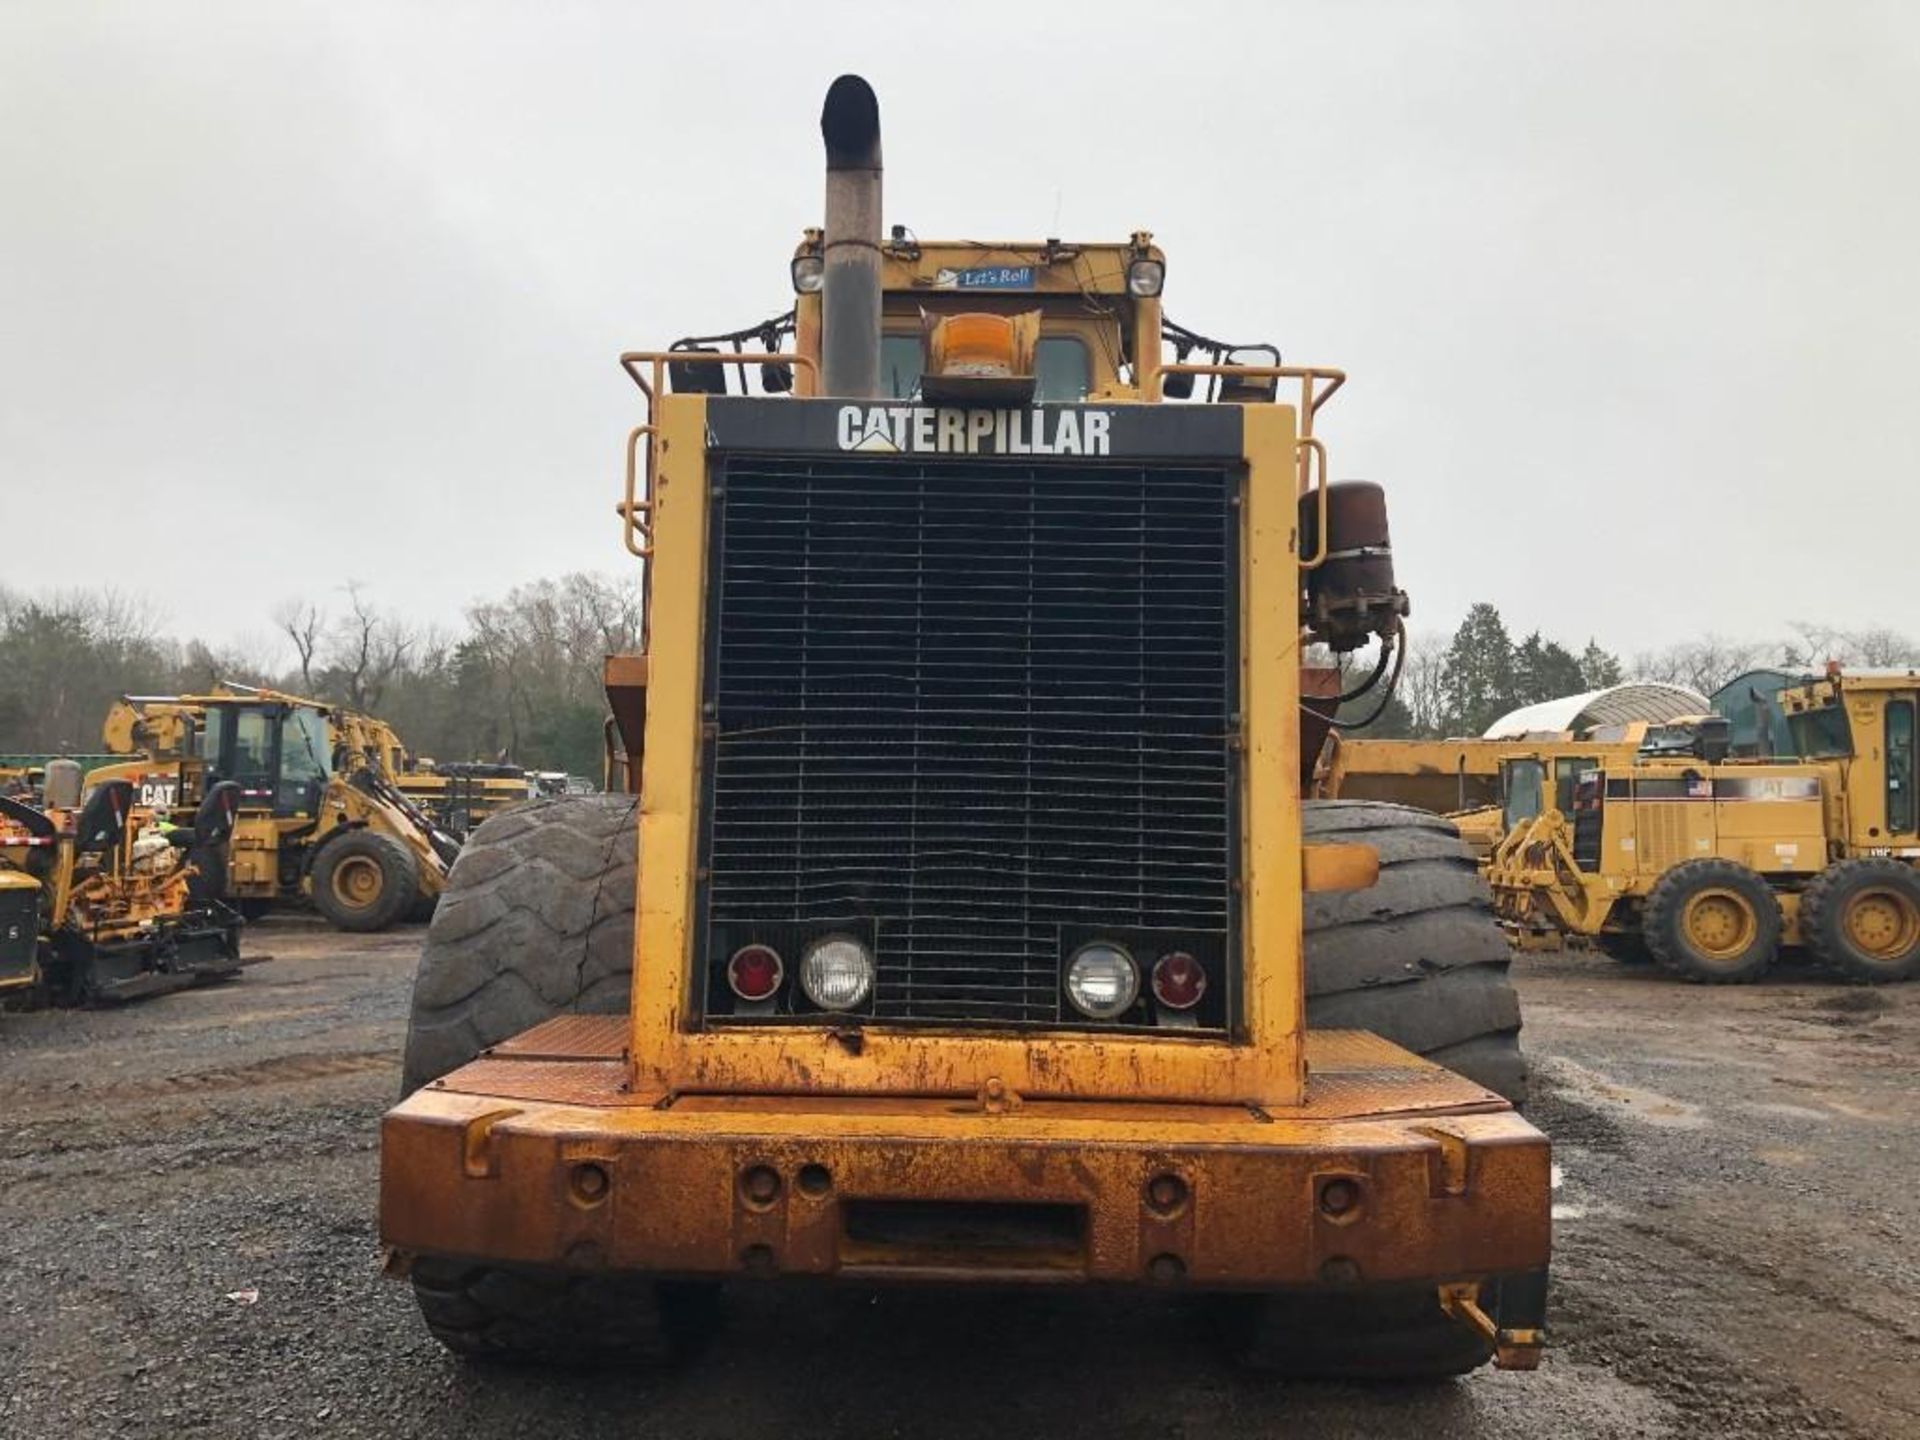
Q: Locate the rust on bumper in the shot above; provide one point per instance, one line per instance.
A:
(1394, 1170)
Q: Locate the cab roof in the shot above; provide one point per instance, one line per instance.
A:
(910, 266)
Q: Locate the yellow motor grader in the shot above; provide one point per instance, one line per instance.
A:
(102, 900)
(320, 816)
(967, 925)
(1711, 864)
(1485, 787)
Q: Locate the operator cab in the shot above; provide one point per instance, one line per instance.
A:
(1866, 720)
(279, 755)
(1095, 310)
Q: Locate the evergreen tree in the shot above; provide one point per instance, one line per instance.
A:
(1545, 670)
(1598, 669)
(1477, 676)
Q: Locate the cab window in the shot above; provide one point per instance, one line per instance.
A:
(213, 729)
(1821, 734)
(1900, 816)
(1060, 370)
(1524, 781)
(1566, 774)
(304, 761)
(900, 365)
(253, 752)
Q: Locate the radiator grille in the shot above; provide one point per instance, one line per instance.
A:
(977, 711)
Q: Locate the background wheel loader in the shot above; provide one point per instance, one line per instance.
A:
(986, 936)
(1711, 863)
(97, 904)
(320, 817)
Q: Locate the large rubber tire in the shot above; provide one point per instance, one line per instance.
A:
(1393, 1335)
(508, 1313)
(1418, 959)
(1677, 911)
(1862, 918)
(364, 882)
(1628, 949)
(536, 921)
(421, 911)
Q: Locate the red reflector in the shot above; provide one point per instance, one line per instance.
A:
(754, 972)
(1179, 980)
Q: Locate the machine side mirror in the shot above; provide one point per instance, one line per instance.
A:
(776, 379)
(685, 379)
(1177, 386)
(1249, 390)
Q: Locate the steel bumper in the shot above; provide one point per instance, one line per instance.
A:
(1393, 1172)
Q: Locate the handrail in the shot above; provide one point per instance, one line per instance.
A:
(632, 507)
(1307, 449)
(660, 359)
(1310, 399)
(637, 500)
(1304, 447)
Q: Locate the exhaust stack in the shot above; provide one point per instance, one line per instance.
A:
(850, 290)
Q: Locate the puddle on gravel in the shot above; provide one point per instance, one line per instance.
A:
(1572, 1201)
(1579, 1083)
(1854, 1002)
(1783, 1111)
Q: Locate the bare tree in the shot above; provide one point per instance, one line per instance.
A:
(1423, 685)
(304, 623)
(1884, 647)
(366, 649)
(1703, 665)
(1813, 645)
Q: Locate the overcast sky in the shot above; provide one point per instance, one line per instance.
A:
(1630, 294)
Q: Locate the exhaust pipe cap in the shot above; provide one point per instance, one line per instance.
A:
(850, 124)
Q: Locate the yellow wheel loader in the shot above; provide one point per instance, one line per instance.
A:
(102, 900)
(1710, 864)
(967, 925)
(462, 795)
(457, 797)
(320, 817)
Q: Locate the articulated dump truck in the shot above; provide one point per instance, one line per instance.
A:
(967, 924)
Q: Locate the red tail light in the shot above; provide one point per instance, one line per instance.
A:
(1179, 980)
(755, 972)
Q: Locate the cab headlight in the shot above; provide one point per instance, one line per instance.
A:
(809, 273)
(1145, 278)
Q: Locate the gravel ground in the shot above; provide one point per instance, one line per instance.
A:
(189, 1189)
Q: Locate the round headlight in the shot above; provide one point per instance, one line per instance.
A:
(809, 273)
(1145, 278)
(837, 973)
(1102, 980)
